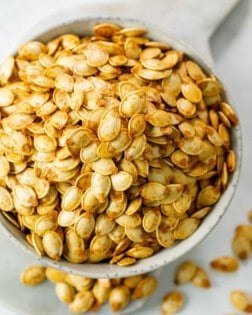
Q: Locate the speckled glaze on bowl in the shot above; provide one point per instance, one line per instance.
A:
(165, 256)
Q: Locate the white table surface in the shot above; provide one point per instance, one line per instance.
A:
(231, 47)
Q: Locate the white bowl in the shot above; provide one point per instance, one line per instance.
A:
(165, 256)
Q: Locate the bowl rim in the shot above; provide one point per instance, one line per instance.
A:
(164, 256)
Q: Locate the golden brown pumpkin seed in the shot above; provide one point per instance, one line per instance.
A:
(6, 97)
(225, 264)
(43, 143)
(214, 136)
(231, 161)
(119, 298)
(140, 252)
(136, 125)
(152, 75)
(41, 187)
(74, 244)
(83, 181)
(153, 191)
(55, 275)
(229, 112)
(100, 245)
(194, 71)
(172, 84)
(122, 246)
(240, 301)
(104, 166)
(47, 222)
(6, 202)
(101, 291)
(186, 227)
(208, 196)
(173, 192)
(183, 160)
(134, 206)
(168, 61)
(96, 55)
(71, 199)
(33, 275)
(85, 225)
(201, 213)
(116, 207)
(193, 146)
(131, 282)
(80, 283)
(136, 234)
(161, 118)
(100, 185)
(185, 272)
(25, 195)
(106, 29)
(244, 230)
(103, 224)
(18, 121)
(145, 288)
(151, 220)
(109, 126)
(201, 279)
(37, 244)
(65, 292)
(6, 70)
(133, 31)
(78, 139)
(136, 148)
(82, 302)
(127, 261)
(209, 87)
(172, 302)
(117, 234)
(191, 92)
(187, 130)
(133, 103)
(224, 135)
(68, 218)
(53, 244)
(165, 235)
(185, 107)
(129, 221)
(241, 246)
(31, 50)
(121, 181)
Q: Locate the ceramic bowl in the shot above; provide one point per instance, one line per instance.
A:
(165, 256)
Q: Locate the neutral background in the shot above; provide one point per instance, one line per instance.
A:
(231, 46)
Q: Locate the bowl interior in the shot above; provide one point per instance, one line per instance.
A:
(165, 256)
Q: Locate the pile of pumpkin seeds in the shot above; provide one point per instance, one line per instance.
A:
(113, 146)
(189, 271)
(84, 294)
